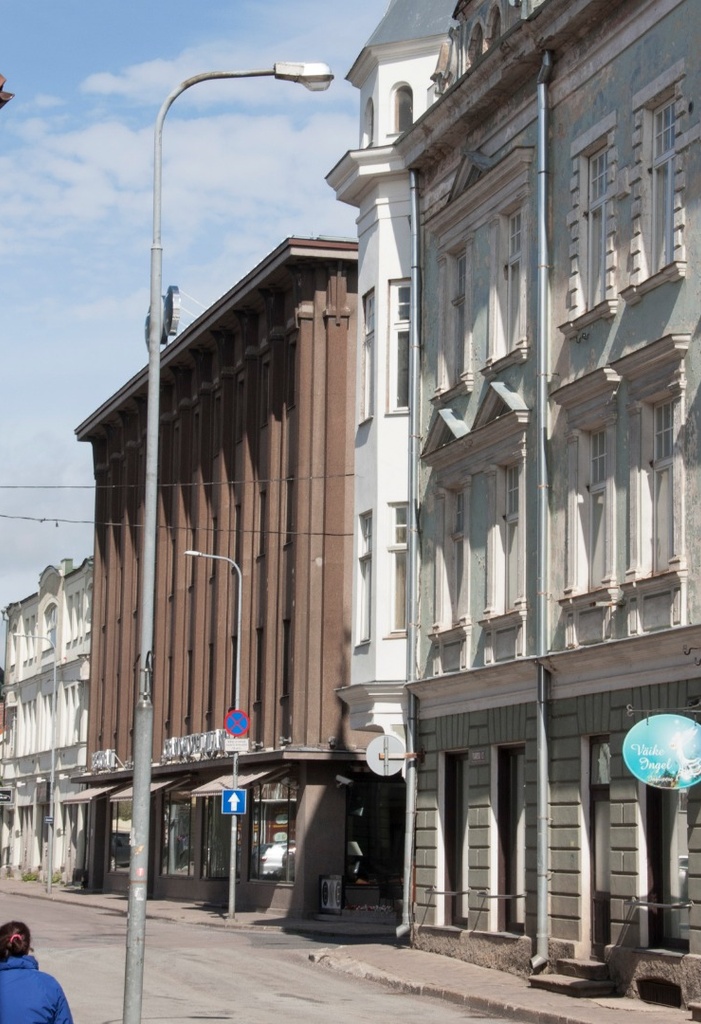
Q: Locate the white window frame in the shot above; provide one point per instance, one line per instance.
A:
(658, 256)
(476, 208)
(592, 292)
(662, 467)
(367, 391)
(508, 335)
(399, 348)
(590, 405)
(664, 127)
(365, 602)
(397, 550)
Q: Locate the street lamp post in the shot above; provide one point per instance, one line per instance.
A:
(316, 77)
(51, 817)
(237, 700)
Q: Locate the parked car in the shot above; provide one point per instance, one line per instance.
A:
(278, 861)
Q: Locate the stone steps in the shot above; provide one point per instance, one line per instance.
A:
(583, 979)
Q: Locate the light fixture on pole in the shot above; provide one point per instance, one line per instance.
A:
(315, 77)
(237, 700)
(50, 817)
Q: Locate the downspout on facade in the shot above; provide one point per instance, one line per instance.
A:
(412, 554)
(539, 961)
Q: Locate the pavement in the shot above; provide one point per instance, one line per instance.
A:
(369, 949)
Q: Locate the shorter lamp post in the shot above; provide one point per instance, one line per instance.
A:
(237, 696)
(50, 819)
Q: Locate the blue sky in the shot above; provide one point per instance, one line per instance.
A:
(244, 167)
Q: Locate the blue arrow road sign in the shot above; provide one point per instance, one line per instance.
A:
(233, 801)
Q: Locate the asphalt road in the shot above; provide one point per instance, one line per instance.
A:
(194, 973)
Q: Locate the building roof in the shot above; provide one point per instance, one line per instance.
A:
(412, 19)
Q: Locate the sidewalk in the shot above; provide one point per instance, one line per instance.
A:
(373, 953)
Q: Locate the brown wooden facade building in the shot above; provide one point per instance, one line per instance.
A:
(256, 465)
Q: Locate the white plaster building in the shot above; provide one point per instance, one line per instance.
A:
(48, 640)
(394, 76)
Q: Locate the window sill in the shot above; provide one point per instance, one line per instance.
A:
(464, 386)
(605, 310)
(675, 271)
(495, 366)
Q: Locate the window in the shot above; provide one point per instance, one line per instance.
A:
(596, 228)
(273, 831)
(512, 272)
(455, 827)
(663, 511)
(511, 537)
(289, 509)
(598, 476)
(590, 403)
(262, 520)
(368, 125)
(511, 829)
(599, 750)
(264, 393)
(475, 47)
(656, 414)
(459, 315)
(216, 840)
(367, 395)
(397, 551)
(365, 577)
(508, 288)
(658, 183)
(177, 850)
(668, 867)
(120, 832)
(400, 309)
(291, 380)
(593, 288)
(457, 556)
(664, 133)
(403, 108)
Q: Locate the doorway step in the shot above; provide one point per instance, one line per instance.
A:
(584, 979)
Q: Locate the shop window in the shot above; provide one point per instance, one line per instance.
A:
(177, 845)
(216, 839)
(273, 831)
(120, 832)
(374, 840)
(668, 867)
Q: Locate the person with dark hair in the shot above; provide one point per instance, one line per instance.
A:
(27, 995)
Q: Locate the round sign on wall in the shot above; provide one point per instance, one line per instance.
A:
(664, 751)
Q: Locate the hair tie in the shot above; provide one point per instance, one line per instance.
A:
(16, 936)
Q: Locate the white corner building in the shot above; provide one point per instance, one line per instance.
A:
(394, 76)
(46, 719)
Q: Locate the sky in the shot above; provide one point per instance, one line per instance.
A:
(244, 164)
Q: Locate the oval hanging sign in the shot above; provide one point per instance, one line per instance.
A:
(664, 751)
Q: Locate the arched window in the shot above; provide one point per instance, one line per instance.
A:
(475, 46)
(493, 26)
(368, 124)
(403, 108)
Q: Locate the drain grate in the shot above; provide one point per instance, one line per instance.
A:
(657, 990)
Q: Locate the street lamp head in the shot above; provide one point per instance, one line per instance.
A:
(195, 554)
(316, 77)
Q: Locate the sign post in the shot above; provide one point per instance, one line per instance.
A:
(236, 724)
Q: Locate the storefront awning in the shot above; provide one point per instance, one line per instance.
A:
(215, 787)
(128, 793)
(86, 795)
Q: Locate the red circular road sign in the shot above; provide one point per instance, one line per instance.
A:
(236, 722)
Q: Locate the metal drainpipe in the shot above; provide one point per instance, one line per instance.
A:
(412, 556)
(542, 936)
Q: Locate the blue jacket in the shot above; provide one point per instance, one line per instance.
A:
(29, 996)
